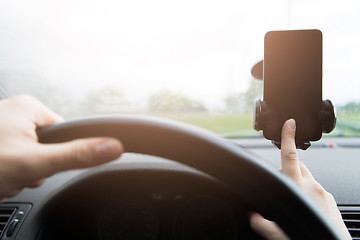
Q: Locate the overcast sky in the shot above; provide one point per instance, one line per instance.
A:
(203, 48)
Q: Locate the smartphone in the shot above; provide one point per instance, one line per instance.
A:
(293, 83)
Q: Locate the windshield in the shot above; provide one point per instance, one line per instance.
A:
(187, 60)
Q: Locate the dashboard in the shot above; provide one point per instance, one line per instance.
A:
(146, 197)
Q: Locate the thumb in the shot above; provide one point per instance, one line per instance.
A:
(81, 153)
(265, 228)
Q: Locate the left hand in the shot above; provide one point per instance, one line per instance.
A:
(24, 162)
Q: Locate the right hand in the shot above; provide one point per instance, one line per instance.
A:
(298, 172)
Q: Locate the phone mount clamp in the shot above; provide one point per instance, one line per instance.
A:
(326, 117)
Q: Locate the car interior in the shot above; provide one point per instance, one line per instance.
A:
(177, 84)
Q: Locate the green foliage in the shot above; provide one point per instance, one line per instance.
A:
(349, 112)
(352, 107)
(348, 120)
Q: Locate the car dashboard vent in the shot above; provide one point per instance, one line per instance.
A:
(5, 216)
(351, 217)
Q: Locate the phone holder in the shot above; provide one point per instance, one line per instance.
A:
(326, 117)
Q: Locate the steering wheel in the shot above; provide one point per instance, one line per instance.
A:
(266, 190)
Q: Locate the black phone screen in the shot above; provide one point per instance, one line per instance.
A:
(293, 82)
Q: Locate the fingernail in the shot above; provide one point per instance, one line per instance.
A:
(108, 148)
(292, 124)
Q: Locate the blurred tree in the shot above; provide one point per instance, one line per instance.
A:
(350, 107)
(244, 102)
(107, 100)
(255, 91)
(235, 102)
(169, 102)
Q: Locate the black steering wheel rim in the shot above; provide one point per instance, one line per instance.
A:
(267, 190)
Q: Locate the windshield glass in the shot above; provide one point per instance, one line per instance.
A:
(188, 60)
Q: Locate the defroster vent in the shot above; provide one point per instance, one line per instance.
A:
(351, 217)
(5, 216)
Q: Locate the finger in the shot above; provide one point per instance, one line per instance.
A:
(289, 158)
(76, 154)
(36, 183)
(265, 228)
